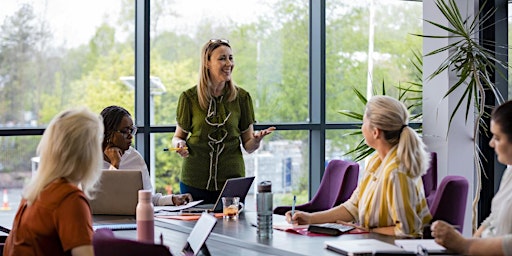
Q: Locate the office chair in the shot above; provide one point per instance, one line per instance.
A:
(450, 202)
(106, 244)
(338, 183)
(430, 179)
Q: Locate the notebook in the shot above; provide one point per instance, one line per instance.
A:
(359, 247)
(418, 245)
(232, 187)
(117, 192)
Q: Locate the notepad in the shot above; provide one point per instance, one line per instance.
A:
(287, 227)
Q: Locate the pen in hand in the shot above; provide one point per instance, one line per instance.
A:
(174, 149)
(293, 204)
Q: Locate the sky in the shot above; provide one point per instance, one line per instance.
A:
(62, 22)
(75, 28)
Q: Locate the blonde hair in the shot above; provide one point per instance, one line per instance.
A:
(391, 116)
(203, 89)
(71, 149)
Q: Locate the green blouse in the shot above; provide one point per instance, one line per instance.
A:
(213, 142)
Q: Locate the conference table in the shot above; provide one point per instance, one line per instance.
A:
(240, 238)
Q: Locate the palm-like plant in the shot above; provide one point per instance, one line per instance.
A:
(410, 93)
(474, 65)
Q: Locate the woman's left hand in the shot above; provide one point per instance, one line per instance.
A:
(258, 136)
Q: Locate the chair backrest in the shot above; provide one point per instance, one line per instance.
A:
(106, 244)
(338, 183)
(430, 179)
(450, 201)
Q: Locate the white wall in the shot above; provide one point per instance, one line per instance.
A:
(455, 149)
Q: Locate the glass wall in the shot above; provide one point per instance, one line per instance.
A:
(55, 55)
(369, 44)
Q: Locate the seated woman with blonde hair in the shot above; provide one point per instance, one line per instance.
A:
(389, 198)
(54, 217)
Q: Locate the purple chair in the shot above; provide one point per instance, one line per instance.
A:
(338, 183)
(430, 179)
(450, 202)
(106, 244)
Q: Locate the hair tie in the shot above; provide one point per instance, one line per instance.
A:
(402, 128)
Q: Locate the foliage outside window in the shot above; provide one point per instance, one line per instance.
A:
(40, 75)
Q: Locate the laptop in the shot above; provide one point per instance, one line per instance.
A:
(197, 238)
(117, 193)
(232, 187)
(360, 247)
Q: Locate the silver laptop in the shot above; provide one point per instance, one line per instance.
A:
(232, 187)
(117, 192)
(196, 240)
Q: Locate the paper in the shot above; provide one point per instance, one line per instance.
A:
(285, 225)
(185, 217)
(175, 208)
(416, 245)
(296, 229)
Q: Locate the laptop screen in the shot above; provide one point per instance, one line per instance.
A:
(232, 187)
(117, 192)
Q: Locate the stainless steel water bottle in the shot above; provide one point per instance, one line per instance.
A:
(264, 209)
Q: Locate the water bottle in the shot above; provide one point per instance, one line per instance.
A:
(264, 209)
(145, 218)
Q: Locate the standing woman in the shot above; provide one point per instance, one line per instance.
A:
(494, 236)
(213, 118)
(390, 198)
(54, 217)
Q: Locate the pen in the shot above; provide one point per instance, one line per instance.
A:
(293, 204)
(174, 149)
(161, 238)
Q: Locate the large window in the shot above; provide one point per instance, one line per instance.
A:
(369, 43)
(55, 54)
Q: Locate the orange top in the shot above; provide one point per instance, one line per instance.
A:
(58, 221)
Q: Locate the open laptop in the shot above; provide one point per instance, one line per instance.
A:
(232, 187)
(196, 240)
(117, 193)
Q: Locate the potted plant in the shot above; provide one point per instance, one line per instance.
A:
(473, 66)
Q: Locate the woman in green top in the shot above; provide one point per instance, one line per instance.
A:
(213, 118)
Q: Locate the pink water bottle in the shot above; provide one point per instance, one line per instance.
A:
(145, 218)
